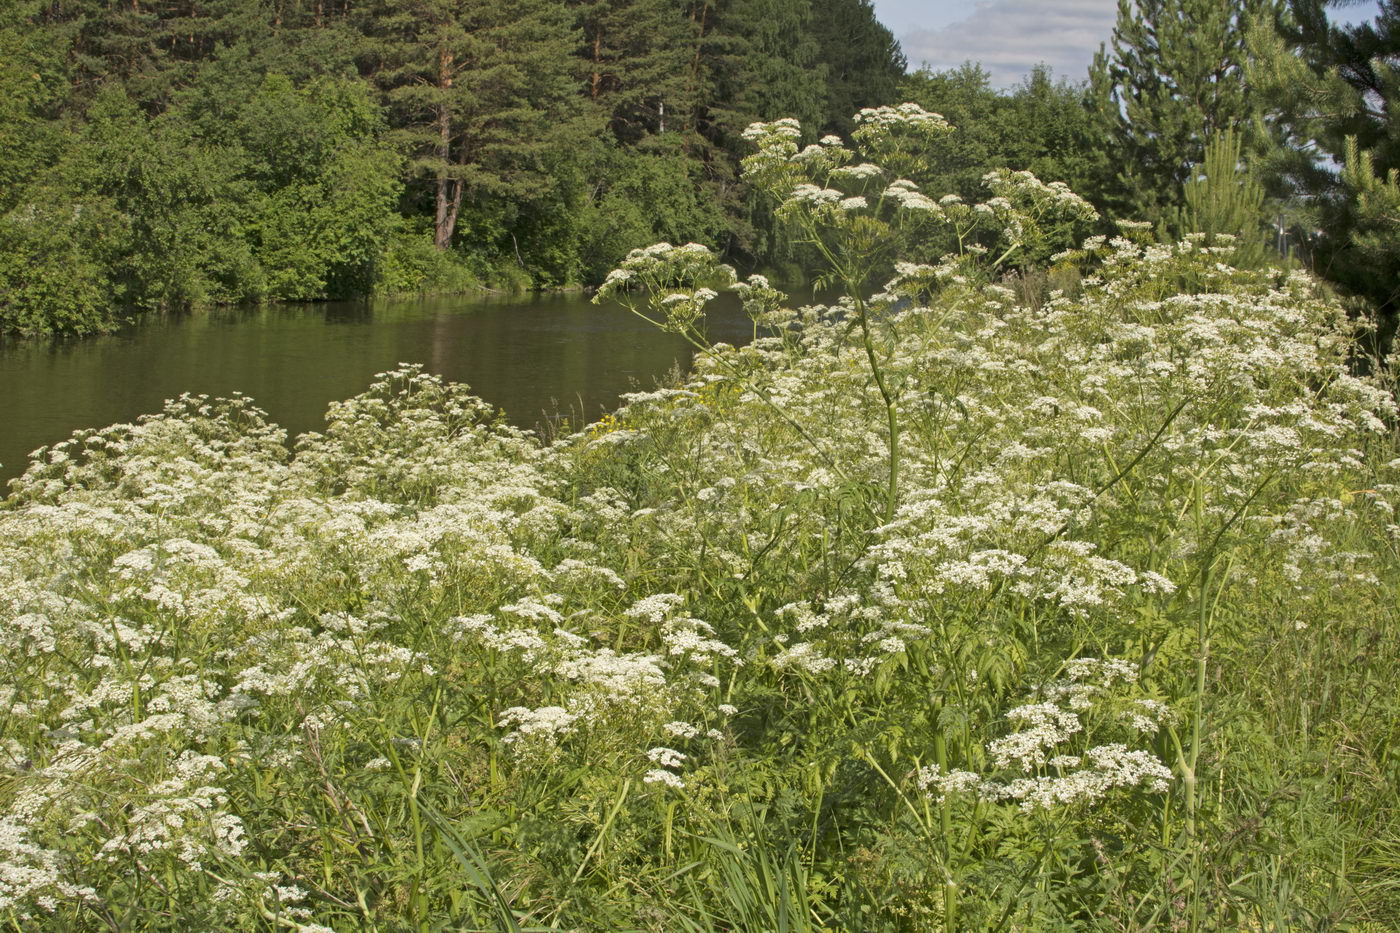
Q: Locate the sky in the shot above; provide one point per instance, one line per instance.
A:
(1009, 37)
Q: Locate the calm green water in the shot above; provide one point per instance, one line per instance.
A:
(533, 356)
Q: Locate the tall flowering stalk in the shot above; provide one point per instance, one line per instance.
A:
(856, 207)
(677, 283)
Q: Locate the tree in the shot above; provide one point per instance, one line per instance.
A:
(1042, 126)
(864, 62)
(637, 54)
(981, 139)
(326, 186)
(1224, 198)
(1175, 76)
(481, 89)
(767, 63)
(33, 75)
(1055, 135)
(1333, 91)
(208, 151)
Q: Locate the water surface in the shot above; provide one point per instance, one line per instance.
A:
(533, 356)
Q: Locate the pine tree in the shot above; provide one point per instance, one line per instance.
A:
(483, 90)
(1224, 197)
(1334, 91)
(764, 63)
(1174, 77)
(865, 64)
(637, 56)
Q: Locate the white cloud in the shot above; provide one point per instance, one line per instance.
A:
(1009, 37)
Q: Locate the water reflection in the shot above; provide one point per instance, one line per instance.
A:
(349, 312)
(532, 356)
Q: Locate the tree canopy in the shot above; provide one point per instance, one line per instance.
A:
(159, 154)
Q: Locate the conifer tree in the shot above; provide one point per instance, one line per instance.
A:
(637, 56)
(1175, 75)
(482, 89)
(1223, 197)
(864, 62)
(764, 63)
(1334, 90)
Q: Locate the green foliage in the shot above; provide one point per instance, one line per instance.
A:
(1224, 199)
(1332, 89)
(32, 73)
(179, 202)
(269, 164)
(1375, 233)
(864, 63)
(765, 62)
(1173, 78)
(328, 187)
(1057, 137)
(648, 196)
(290, 195)
(255, 151)
(984, 133)
(412, 265)
(49, 278)
(1121, 658)
(639, 59)
(1041, 126)
(480, 93)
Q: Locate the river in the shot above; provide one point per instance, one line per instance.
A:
(534, 356)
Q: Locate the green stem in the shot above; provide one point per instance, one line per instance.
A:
(1202, 656)
(691, 337)
(891, 404)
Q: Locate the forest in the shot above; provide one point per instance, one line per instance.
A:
(165, 155)
(171, 154)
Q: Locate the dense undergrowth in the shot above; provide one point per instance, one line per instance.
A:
(932, 610)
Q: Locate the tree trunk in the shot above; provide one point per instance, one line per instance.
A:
(597, 78)
(701, 19)
(449, 221)
(448, 201)
(442, 230)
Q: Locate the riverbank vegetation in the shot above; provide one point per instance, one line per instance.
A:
(166, 155)
(951, 605)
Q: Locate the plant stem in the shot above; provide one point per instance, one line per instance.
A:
(891, 404)
(1202, 656)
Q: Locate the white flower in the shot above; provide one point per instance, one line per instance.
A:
(658, 776)
(666, 757)
(683, 729)
(861, 171)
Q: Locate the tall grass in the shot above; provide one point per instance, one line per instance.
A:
(1096, 632)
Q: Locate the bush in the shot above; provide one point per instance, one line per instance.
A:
(413, 265)
(49, 281)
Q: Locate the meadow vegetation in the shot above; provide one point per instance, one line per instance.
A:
(949, 605)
